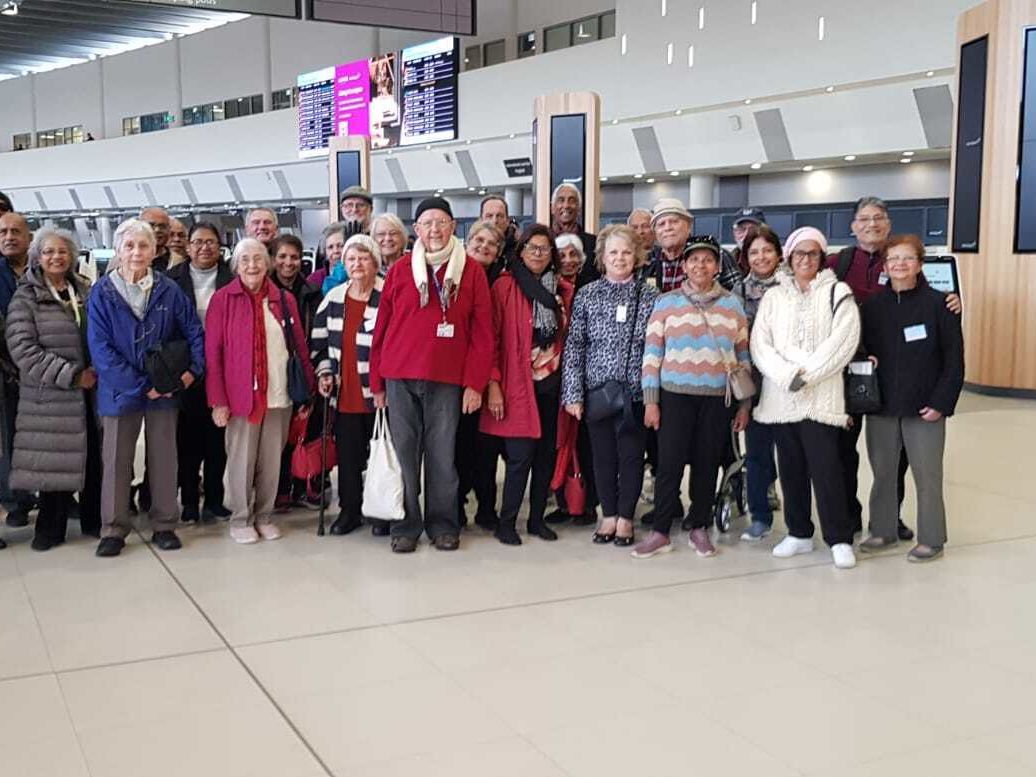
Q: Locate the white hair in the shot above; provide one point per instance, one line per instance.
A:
(364, 243)
(47, 233)
(392, 220)
(569, 240)
(248, 244)
(567, 185)
(131, 226)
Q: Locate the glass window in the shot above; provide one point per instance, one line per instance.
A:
(233, 108)
(154, 122)
(22, 141)
(557, 37)
(131, 125)
(494, 53)
(526, 44)
(607, 25)
(257, 103)
(281, 99)
(586, 30)
(472, 57)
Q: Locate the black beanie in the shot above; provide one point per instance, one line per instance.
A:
(433, 203)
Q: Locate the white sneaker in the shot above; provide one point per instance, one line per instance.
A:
(843, 555)
(793, 546)
(269, 531)
(244, 535)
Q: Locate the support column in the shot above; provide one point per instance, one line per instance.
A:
(380, 205)
(178, 84)
(702, 192)
(567, 150)
(514, 197)
(267, 66)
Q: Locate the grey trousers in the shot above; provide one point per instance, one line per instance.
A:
(254, 466)
(118, 446)
(423, 418)
(924, 442)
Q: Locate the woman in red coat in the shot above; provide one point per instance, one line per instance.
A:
(531, 304)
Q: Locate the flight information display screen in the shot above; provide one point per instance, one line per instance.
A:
(291, 9)
(316, 111)
(430, 92)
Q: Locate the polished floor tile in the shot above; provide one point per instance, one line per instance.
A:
(38, 736)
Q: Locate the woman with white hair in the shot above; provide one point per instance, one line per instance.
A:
(136, 318)
(57, 442)
(390, 235)
(252, 331)
(342, 336)
(805, 333)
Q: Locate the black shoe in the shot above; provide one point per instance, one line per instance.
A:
(166, 540)
(557, 516)
(2, 544)
(404, 544)
(17, 518)
(588, 518)
(507, 534)
(45, 543)
(189, 515)
(905, 532)
(210, 514)
(446, 542)
(603, 539)
(110, 546)
(345, 524)
(380, 528)
(487, 521)
(648, 518)
(90, 530)
(623, 542)
(542, 531)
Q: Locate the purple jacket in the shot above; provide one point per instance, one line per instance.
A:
(229, 323)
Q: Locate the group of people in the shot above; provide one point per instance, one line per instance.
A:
(625, 356)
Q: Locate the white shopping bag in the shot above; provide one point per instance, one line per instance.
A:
(383, 487)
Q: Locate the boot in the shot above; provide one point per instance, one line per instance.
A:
(539, 528)
(506, 532)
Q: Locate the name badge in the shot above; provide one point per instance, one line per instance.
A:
(444, 330)
(915, 332)
(620, 314)
(883, 279)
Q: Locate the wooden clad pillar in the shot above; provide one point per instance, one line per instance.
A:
(566, 148)
(998, 282)
(348, 164)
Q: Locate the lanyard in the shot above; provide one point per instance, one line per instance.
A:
(440, 291)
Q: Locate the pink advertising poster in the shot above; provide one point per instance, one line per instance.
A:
(352, 98)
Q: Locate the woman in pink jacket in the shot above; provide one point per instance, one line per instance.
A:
(247, 355)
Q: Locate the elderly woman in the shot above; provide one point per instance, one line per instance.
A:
(805, 333)
(248, 346)
(761, 249)
(135, 312)
(57, 442)
(917, 345)
(601, 377)
(332, 244)
(486, 245)
(390, 235)
(430, 362)
(531, 305)
(200, 444)
(341, 349)
(697, 333)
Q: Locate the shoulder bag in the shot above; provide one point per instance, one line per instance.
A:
(298, 388)
(740, 383)
(862, 391)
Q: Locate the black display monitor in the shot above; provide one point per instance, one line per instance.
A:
(568, 153)
(347, 166)
(971, 122)
(288, 9)
(456, 17)
(1024, 223)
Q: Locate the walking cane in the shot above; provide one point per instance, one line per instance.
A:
(323, 463)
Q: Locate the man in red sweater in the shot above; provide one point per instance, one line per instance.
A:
(430, 360)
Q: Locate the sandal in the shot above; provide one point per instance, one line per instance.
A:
(603, 538)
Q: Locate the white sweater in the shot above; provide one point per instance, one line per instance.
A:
(816, 331)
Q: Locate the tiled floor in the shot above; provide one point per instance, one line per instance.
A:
(310, 657)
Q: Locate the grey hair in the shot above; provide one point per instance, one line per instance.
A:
(567, 185)
(391, 219)
(271, 211)
(866, 202)
(568, 240)
(364, 243)
(133, 227)
(248, 244)
(335, 227)
(635, 211)
(36, 247)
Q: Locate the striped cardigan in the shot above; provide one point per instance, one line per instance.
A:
(326, 338)
(690, 342)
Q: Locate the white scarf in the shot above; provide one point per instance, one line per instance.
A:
(453, 253)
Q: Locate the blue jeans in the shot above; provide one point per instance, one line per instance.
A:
(762, 470)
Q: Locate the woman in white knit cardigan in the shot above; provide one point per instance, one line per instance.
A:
(805, 333)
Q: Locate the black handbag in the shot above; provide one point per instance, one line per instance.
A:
(612, 397)
(165, 364)
(862, 393)
(298, 387)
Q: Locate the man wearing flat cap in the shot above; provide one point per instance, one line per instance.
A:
(672, 224)
(356, 205)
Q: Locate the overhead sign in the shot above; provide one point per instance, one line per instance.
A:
(518, 168)
(455, 17)
(290, 9)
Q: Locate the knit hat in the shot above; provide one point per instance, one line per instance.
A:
(802, 234)
(433, 203)
(357, 191)
(667, 206)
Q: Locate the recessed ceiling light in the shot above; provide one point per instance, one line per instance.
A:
(821, 28)
(748, 101)
(674, 172)
(471, 188)
(638, 175)
(849, 157)
(701, 18)
(807, 169)
(467, 142)
(755, 11)
(615, 121)
(756, 165)
(930, 73)
(908, 153)
(603, 178)
(428, 147)
(511, 136)
(905, 160)
(678, 111)
(690, 56)
(622, 45)
(669, 53)
(650, 180)
(481, 191)
(665, 7)
(829, 89)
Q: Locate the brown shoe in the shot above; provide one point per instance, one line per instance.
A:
(446, 542)
(404, 544)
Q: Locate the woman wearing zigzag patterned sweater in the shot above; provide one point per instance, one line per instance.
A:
(697, 334)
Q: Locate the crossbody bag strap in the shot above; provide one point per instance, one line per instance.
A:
(638, 287)
(289, 334)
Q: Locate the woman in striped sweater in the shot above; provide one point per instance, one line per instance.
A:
(696, 333)
(341, 342)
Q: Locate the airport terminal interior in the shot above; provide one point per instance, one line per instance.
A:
(330, 656)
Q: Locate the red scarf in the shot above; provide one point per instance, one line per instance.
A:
(259, 363)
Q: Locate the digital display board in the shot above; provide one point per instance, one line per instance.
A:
(1024, 226)
(397, 99)
(290, 9)
(456, 17)
(971, 122)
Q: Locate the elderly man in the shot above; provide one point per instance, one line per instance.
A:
(14, 257)
(177, 243)
(566, 208)
(493, 209)
(261, 223)
(744, 220)
(356, 205)
(5, 204)
(673, 224)
(160, 223)
(639, 221)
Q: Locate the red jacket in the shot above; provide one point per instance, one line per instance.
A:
(229, 323)
(406, 346)
(512, 365)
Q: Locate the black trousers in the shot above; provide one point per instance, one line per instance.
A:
(527, 454)
(56, 505)
(618, 457)
(808, 452)
(353, 442)
(847, 441)
(476, 456)
(200, 445)
(694, 430)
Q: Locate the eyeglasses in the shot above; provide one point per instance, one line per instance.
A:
(797, 256)
(440, 223)
(538, 250)
(872, 219)
(204, 243)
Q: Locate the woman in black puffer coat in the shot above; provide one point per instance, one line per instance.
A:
(57, 440)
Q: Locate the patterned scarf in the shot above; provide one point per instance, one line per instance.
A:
(259, 364)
